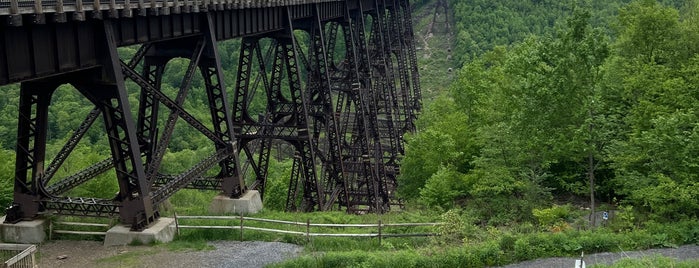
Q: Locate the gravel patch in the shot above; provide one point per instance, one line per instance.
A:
(248, 254)
(688, 252)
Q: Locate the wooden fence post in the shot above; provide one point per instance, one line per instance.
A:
(379, 232)
(241, 227)
(177, 224)
(308, 230)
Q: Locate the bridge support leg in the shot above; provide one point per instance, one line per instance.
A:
(233, 183)
(31, 150)
(335, 184)
(313, 195)
(108, 92)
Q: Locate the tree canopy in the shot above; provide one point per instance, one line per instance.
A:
(597, 103)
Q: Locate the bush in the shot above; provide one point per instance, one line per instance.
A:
(554, 218)
(452, 229)
(552, 215)
(598, 241)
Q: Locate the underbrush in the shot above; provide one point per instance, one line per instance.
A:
(504, 246)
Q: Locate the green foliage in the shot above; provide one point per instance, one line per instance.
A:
(452, 229)
(550, 216)
(7, 162)
(277, 185)
(425, 153)
(443, 188)
(624, 220)
(565, 113)
(654, 78)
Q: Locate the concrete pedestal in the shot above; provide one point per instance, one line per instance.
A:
(24, 232)
(249, 203)
(162, 231)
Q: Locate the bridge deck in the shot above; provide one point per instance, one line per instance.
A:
(43, 38)
(16, 7)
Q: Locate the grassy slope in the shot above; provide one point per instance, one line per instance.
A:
(434, 51)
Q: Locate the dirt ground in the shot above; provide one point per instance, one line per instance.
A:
(251, 254)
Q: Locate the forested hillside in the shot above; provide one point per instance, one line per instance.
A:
(592, 104)
(482, 24)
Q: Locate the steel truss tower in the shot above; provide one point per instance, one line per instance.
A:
(339, 79)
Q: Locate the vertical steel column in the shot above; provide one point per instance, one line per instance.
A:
(408, 35)
(371, 159)
(148, 106)
(381, 77)
(357, 122)
(399, 49)
(293, 190)
(264, 151)
(312, 189)
(250, 49)
(233, 182)
(335, 166)
(242, 86)
(31, 150)
(148, 110)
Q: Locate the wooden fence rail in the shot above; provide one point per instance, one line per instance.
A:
(241, 226)
(53, 228)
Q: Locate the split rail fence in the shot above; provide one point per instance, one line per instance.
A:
(62, 227)
(241, 225)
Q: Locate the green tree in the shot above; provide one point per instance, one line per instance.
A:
(7, 164)
(655, 75)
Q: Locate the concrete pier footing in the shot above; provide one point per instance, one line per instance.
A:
(249, 203)
(162, 231)
(24, 232)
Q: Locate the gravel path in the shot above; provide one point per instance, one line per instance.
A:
(687, 252)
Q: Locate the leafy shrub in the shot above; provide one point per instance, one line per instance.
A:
(442, 188)
(624, 220)
(549, 217)
(489, 254)
(452, 229)
(598, 241)
(678, 233)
